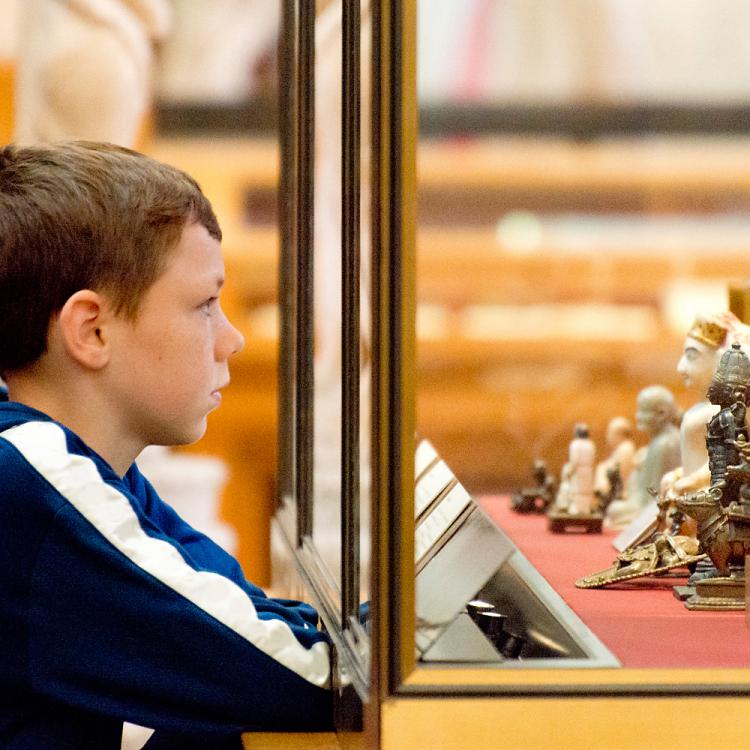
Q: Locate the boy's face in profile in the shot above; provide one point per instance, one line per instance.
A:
(170, 364)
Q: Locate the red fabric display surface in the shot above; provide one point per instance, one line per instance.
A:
(640, 621)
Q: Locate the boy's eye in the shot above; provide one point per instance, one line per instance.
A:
(206, 307)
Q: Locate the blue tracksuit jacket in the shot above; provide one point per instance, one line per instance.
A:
(112, 608)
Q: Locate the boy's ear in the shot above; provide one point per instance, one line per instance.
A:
(81, 325)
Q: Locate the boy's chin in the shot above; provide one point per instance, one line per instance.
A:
(187, 435)
(197, 434)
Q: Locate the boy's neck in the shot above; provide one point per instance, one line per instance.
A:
(80, 413)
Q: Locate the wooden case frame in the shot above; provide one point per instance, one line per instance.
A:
(406, 704)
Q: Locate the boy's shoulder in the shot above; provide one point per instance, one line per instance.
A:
(21, 480)
(34, 454)
(28, 504)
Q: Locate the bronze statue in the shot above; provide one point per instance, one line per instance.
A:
(727, 391)
(535, 499)
(723, 511)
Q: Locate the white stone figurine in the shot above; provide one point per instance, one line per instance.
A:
(576, 494)
(708, 338)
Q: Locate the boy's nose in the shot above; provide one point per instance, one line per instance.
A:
(235, 340)
(229, 341)
(239, 340)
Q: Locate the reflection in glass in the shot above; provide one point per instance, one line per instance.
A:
(545, 51)
(328, 321)
(365, 402)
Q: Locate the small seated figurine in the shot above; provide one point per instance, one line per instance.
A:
(535, 499)
(613, 490)
(656, 414)
(622, 451)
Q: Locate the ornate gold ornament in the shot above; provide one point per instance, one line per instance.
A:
(660, 556)
(708, 332)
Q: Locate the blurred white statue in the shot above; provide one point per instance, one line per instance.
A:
(528, 51)
(214, 49)
(84, 68)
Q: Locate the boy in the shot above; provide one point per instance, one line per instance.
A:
(112, 338)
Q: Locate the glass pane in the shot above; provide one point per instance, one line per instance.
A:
(559, 281)
(365, 416)
(287, 97)
(327, 435)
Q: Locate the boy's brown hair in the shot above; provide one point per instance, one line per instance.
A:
(83, 215)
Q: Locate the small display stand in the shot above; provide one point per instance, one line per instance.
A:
(462, 555)
(560, 522)
(724, 593)
(727, 592)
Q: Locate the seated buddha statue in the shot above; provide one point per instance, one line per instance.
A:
(656, 415)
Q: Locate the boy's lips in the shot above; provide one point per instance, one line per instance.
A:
(216, 393)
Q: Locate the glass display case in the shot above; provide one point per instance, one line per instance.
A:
(397, 542)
